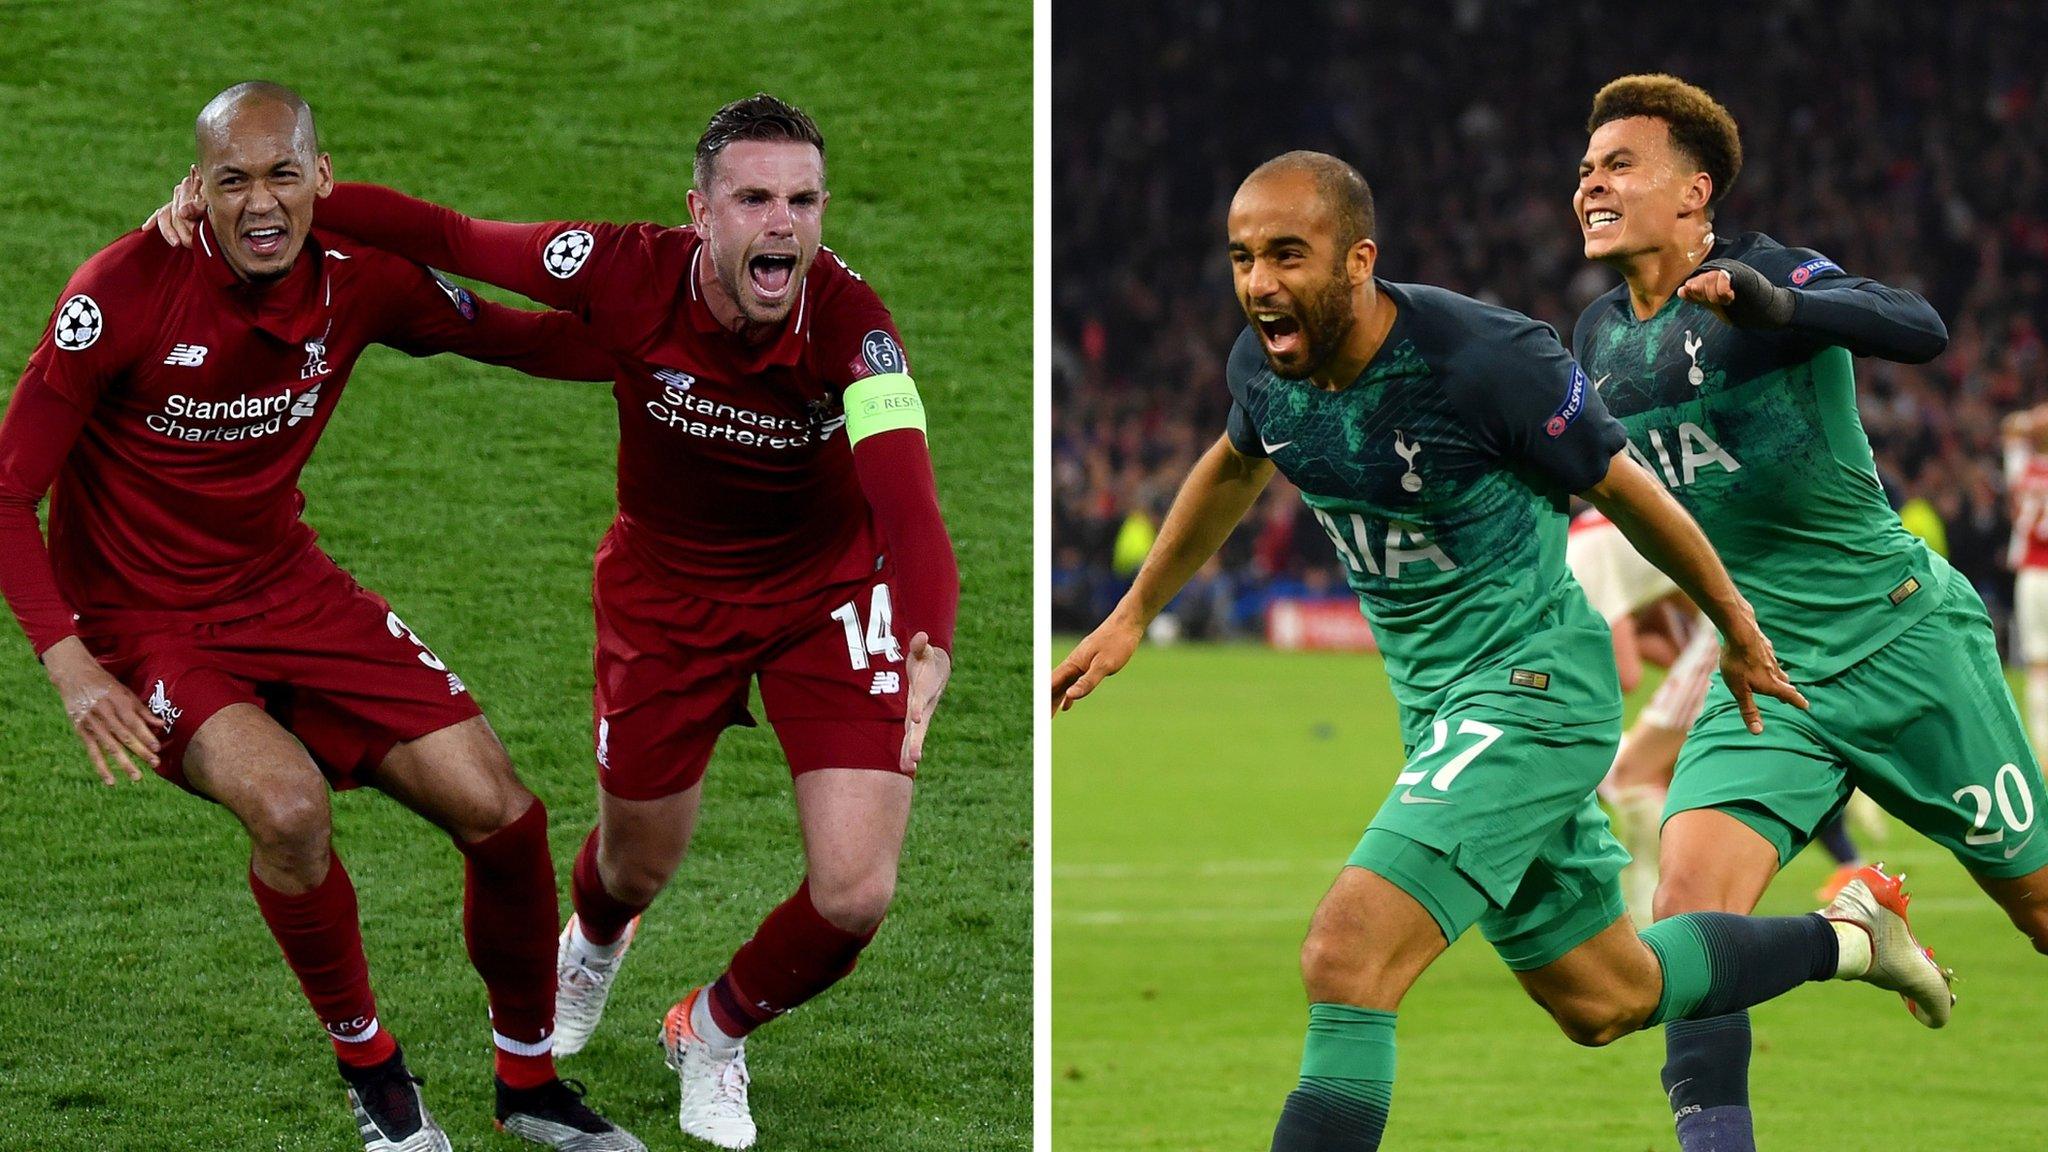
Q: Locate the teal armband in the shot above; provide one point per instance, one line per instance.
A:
(881, 404)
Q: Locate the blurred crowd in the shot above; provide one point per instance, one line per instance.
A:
(1907, 142)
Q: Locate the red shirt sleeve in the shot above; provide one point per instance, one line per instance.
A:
(89, 342)
(593, 269)
(429, 315)
(857, 338)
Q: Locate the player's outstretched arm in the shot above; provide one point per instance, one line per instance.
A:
(519, 257)
(41, 426)
(1864, 316)
(885, 422)
(1668, 538)
(1221, 488)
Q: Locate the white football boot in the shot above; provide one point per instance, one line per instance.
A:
(582, 984)
(1876, 903)
(714, 1081)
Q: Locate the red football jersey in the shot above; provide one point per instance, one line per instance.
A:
(2028, 481)
(735, 480)
(174, 406)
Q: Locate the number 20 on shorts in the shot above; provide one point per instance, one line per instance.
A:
(2018, 813)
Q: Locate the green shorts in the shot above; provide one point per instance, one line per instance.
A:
(1925, 726)
(1493, 822)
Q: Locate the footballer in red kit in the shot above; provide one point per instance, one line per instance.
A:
(187, 617)
(2026, 479)
(777, 520)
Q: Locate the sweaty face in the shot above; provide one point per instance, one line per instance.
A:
(1293, 281)
(761, 220)
(1633, 193)
(260, 177)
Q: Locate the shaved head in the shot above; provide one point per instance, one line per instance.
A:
(1338, 185)
(211, 129)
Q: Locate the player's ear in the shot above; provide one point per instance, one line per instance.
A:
(323, 175)
(1699, 192)
(1360, 261)
(695, 200)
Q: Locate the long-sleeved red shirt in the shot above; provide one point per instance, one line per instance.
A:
(170, 408)
(735, 480)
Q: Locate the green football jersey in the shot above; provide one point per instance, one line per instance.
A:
(1756, 433)
(1442, 475)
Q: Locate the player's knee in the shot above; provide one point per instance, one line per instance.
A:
(289, 828)
(1682, 890)
(1341, 968)
(856, 905)
(1595, 1023)
(632, 879)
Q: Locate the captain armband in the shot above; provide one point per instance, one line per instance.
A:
(881, 404)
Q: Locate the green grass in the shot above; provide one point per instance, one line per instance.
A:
(1203, 800)
(141, 1001)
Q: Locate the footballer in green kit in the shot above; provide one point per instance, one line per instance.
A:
(1436, 439)
(1728, 359)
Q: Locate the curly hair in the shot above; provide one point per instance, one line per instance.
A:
(758, 117)
(1700, 127)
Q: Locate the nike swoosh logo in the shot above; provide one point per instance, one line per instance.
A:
(1671, 1093)
(1272, 448)
(1412, 798)
(1601, 382)
(2015, 849)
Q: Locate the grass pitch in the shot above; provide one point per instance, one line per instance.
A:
(1202, 802)
(142, 1004)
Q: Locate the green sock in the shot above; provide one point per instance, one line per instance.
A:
(1715, 963)
(1347, 1082)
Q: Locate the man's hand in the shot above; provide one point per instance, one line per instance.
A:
(1101, 655)
(108, 717)
(930, 668)
(178, 220)
(1739, 295)
(1749, 665)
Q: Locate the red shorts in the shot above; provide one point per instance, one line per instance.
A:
(673, 670)
(335, 666)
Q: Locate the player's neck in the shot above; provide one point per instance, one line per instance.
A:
(1654, 276)
(1375, 319)
(726, 310)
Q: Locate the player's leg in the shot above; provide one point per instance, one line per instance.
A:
(1369, 941)
(460, 778)
(1835, 840)
(246, 761)
(1641, 778)
(2025, 900)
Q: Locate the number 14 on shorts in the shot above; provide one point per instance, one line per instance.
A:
(878, 639)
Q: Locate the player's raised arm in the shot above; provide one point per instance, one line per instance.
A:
(1667, 537)
(1807, 294)
(1219, 490)
(557, 263)
(44, 418)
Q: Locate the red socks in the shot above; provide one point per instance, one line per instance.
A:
(794, 955)
(509, 921)
(602, 916)
(323, 943)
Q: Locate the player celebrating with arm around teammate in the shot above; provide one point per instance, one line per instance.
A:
(185, 615)
(1436, 438)
(1728, 361)
(777, 518)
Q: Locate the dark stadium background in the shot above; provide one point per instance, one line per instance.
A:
(1908, 142)
(142, 1004)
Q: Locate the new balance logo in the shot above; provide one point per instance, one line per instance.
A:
(886, 684)
(675, 379)
(604, 743)
(187, 356)
(307, 403)
(455, 685)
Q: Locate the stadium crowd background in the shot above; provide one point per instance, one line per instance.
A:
(1908, 143)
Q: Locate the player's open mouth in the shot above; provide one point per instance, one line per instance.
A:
(264, 241)
(771, 275)
(1281, 332)
(1600, 218)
